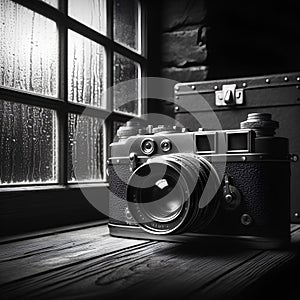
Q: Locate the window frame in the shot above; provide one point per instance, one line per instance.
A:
(63, 107)
(60, 104)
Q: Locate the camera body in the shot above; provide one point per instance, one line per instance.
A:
(208, 186)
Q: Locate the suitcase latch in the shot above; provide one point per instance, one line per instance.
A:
(229, 95)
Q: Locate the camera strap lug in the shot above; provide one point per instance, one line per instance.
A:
(132, 161)
(229, 95)
(232, 196)
(294, 157)
(227, 193)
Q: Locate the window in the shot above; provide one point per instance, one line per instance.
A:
(57, 57)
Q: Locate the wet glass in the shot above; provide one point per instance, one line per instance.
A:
(91, 13)
(85, 150)
(86, 71)
(126, 95)
(127, 23)
(28, 144)
(28, 50)
(53, 3)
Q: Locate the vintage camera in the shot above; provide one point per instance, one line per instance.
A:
(208, 186)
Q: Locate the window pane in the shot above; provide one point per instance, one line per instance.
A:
(85, 159)
(91, 13)
(53, 3)
(126, 23)
(126, 96)
(27, 144)
(28, 50)
(86, 79)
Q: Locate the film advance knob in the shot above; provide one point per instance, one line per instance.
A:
(261, 123)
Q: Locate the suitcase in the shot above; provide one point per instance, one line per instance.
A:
(233, 99)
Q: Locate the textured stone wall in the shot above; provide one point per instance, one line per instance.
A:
(184, 50)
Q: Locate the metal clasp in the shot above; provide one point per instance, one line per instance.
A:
(132, 161)
(229, 95)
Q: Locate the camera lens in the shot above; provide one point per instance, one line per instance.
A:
(170, 196)
(148, 146)
(165, 145)
(165, 194)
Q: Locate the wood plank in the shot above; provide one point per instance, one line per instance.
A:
(252, 271)
(296, 238)
(245, 275)
(295, 227)
(30, 257)
(145, 269)
(50, 231)
(168, 269)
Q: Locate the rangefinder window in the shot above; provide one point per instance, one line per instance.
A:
(206, 143)
(238, 142)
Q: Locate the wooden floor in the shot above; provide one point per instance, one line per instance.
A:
(89, 264)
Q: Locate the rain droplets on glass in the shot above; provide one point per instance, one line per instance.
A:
(85, 150)
(29, 50)
(86, 78)
(126, 96)
(127, 23)
(27, 144)
(91, 13)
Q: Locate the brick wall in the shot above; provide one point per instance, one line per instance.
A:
(183, 48)
(213, 39)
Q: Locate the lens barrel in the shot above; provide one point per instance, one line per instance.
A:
(166, 194)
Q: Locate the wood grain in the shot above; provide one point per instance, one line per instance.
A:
(90, 264)
(253, 270)
(170, 268)
(245, 275)
(295, 227)
(34, 256)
